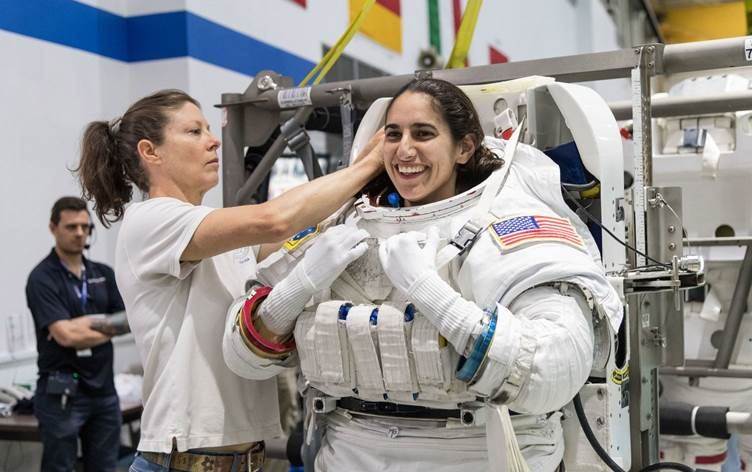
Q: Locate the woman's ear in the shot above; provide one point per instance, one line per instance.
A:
(466, 149)
(147, 151)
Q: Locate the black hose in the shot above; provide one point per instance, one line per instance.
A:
(591, 436)
(669, 466)
(604, 455)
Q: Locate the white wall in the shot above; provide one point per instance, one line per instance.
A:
(49, 92)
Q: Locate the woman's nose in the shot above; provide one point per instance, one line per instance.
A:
(406, 149)
(215, 142)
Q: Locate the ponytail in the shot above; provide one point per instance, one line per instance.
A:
(110, 164)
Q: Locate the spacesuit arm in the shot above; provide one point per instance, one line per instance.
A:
(243, 361)
(541, 353)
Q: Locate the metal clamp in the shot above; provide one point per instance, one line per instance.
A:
(324, 404)
(295, 135)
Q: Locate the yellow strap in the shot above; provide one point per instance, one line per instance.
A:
(464, 35)
(331, 56)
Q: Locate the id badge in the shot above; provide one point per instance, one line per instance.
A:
(84, 352)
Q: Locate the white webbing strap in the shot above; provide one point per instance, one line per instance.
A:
(327, 343)
(428, 363)
(479, 217)
(395, 361)
(501, 442)
(368, 370)
(305, 344)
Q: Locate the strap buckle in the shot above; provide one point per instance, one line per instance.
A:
(466, 236)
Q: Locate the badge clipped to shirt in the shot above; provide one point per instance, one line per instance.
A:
(301, 238)
(518, 231)
(84, 352)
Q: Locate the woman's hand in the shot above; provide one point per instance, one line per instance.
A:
(373, 153)
(323, 262)
(329, 255)
(405, 262)
(412, 270)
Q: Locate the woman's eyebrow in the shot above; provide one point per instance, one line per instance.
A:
(421, 125)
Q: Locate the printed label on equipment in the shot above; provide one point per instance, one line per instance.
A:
(748, 49)
(296, 97)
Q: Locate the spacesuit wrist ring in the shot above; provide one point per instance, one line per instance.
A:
(468, 366)
(247, 317)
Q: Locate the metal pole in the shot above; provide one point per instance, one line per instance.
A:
(679, 106)
(576, 68)
(233, 160)
(644, 354)
(707, 372)
(705, 55)
(736, 312)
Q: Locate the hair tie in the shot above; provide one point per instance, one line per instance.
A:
(115, 125)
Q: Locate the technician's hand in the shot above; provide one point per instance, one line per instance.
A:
(329, 255)
(373, 153)
(405, 262)
(323, 262)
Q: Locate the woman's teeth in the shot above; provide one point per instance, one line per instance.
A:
(410, 169)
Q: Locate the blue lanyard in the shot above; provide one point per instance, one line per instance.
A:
(83, 292)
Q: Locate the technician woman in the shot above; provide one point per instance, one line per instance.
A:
(179, 264)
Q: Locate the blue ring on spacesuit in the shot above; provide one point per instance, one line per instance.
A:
(344, 310)
(374, 318)
(467, 367)
(409, 312)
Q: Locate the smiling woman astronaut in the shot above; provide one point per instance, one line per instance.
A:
(412, 356)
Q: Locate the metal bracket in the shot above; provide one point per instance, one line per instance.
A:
(423, 74)
(348, 134)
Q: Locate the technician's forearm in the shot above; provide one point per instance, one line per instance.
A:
(309, 204)
(111, 325)
(77, 334)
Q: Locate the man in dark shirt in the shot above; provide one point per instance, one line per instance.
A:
(75, 393)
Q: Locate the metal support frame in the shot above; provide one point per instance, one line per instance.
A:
(645, 353)
(720, 366)
(263, 110)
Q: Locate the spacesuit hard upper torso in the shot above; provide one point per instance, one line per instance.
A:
(403, 359)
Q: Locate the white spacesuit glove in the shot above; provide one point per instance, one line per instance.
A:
(412, 271)
(322, 263)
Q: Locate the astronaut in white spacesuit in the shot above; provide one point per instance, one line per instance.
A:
(459, 285)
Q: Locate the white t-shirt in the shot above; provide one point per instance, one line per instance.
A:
(176, 312)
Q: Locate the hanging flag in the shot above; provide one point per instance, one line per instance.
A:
(383, 24)
(302, 3)
(495, 56)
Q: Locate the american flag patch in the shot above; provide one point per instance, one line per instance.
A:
(514, 232)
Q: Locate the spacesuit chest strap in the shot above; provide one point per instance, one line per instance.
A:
(479, 218)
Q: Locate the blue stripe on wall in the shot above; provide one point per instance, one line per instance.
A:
(146, 37)
(68, 23)
(226, 48)
(159, 36)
